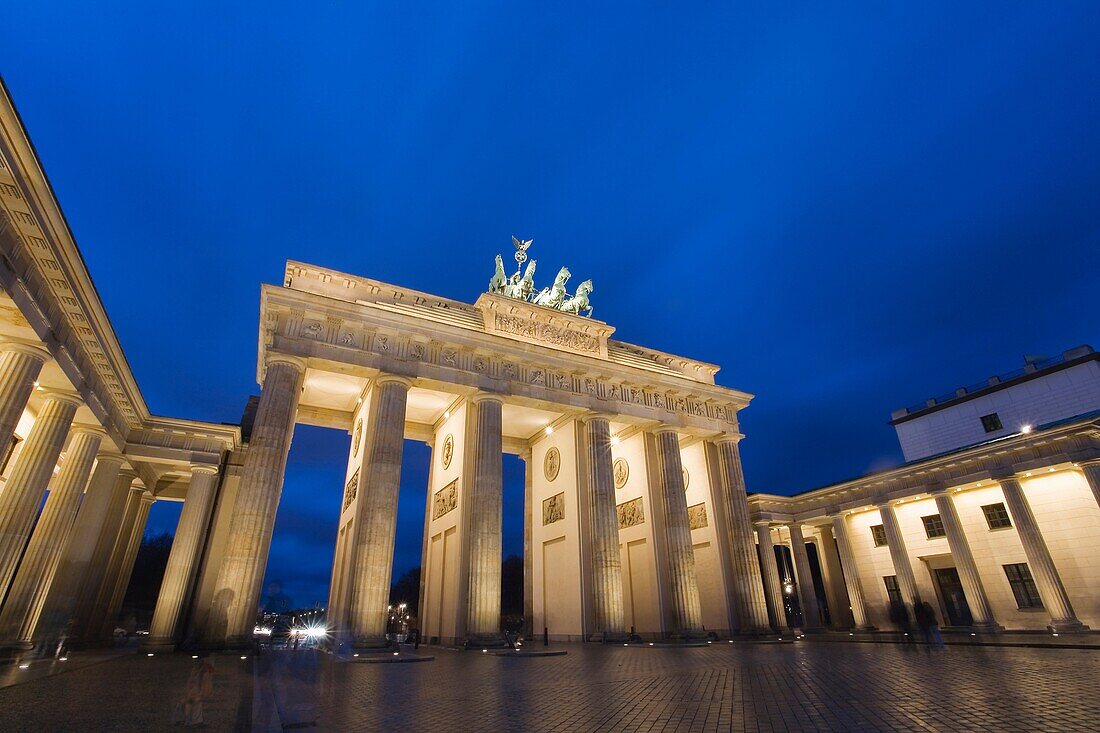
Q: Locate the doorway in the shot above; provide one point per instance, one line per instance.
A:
(952, 597)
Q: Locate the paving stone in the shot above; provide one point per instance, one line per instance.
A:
(724, 687)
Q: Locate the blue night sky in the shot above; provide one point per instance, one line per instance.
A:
(850, 211)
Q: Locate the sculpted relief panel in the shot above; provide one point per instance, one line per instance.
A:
(351, 490)
(445, 500)
(697, 516)
(553, 509)
(547, 333)
(630, 513)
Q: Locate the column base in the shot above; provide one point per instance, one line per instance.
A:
(15, 649)
(1066, 626)
(485, 641)
(865, 628)
(371, 644)
(160, 645)
(609, 637)
(988, 627)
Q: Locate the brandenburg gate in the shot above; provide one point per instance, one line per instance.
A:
(635, 513)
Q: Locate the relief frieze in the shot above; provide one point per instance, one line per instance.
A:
(547, 333)
(445, 500)
(630, 513)
(553, 509)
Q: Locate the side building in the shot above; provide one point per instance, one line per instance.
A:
(994, 519)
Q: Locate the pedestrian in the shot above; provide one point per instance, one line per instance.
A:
(899, 616)
(200, 685)
(930, 628)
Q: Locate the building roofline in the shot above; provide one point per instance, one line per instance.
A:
(1068, 359)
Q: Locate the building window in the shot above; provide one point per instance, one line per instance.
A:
(996, 516)
(1023, 586)
(878, 532)
(893, 590)
(991, 422)
(933, 526)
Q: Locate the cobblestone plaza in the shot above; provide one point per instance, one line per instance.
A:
(785, 686)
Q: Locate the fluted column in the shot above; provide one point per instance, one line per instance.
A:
(236, 597)
(36, 571)
(376, 514)
(976, 599)
(132, 535)
(750, 605)
(1047, 580)
(833, 577)
(76, 557)
(484, 487)
(1091, 471)
(608, 615)
(903, 568)
(683, 582)
(183, 560)
(101, 609)
(852, 583)
(20, 365)
(811, 614)
(773, 588)
(26, 485)
(528, 557)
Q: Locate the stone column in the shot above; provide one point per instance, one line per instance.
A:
(33, 469)
(976, 599)
(852, 583)
(126, 566)
(528, 558)
(36, 571)
(609, 618)
(484, 487)
(376, 513)
(1039, 561)
(683, 583)
(750, 605)
(101, 625)
(20, 365)
(811, 614)
(237, 593)
(1091, 470)
(772, 586)
(903, 568)
(840, 616)
(76, 557)
(183, 560)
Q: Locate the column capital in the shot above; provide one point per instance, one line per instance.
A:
(1004, 473)
(663, 428)
(26, 348)
(937, 489)
(382, 379)
(1082, 463)
(93, 430)
(590, 416)
(723, 438)
(208, 469)
(129, 473)
(762, 523)
(148, 498)
(110, 455)
(62, 395)
(478, 397)
(295, 361)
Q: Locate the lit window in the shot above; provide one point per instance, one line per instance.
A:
(878, 532)
(1023, 586)
(893, 590)
(991, 422)
(996, 516)
(933, 526)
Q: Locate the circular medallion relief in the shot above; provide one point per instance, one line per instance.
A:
(448, 450)
(621, 471)
(552, 464)
(687, 478)
(356, 440)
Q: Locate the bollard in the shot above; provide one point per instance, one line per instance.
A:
(545, 636)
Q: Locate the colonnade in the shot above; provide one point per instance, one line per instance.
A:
(845, 585)
(66, 572)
